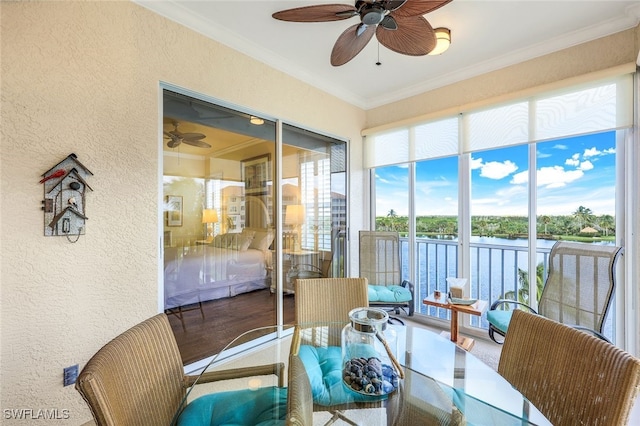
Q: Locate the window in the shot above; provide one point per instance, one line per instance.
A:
(534, 169)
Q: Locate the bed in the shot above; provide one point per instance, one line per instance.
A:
(229, 265)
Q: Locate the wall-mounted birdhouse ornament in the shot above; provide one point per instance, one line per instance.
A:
(65, 187)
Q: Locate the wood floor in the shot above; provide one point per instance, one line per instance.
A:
(224, 320)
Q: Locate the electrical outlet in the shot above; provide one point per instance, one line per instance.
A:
(70, 375)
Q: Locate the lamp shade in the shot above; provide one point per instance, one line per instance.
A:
(443, 41)
(209, 216)
(294, 214)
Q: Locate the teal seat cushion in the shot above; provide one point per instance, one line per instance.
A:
(324, 369)
(260, 407)
(499, 319)
(388, 293)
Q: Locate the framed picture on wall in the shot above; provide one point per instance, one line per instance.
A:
(174, 210)
(256, 174)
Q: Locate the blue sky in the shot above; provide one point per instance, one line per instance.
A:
(571, 172)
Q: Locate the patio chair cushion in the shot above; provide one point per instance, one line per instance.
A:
(260, 407)
(388, 293)
(324, 369)
(499, 319)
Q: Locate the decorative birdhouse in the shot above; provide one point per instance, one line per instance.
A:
(65, 187)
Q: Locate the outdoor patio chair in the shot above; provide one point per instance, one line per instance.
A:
(577, 292)
(138, 379)
(380, 264)
(572, 377)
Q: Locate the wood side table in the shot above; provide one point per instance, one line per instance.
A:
(476, 309)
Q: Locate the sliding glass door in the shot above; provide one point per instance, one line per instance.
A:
(230, 265)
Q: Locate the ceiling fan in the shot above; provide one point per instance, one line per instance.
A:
(398, 25)
(176, 138)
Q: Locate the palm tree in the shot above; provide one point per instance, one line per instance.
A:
(584, 216)
(392, 215)
(522, 294)
(546, 220)
(607, 222)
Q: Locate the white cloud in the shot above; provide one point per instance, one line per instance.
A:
(549, 177)
(476, 163)
(591, 152)
(574, 161)
(594, 152)
(560, 146)
(510, 192)
(586, 165)
(520, 178)
(556, 176)
(497, 170)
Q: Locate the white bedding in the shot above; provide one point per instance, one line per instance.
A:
(199, 273)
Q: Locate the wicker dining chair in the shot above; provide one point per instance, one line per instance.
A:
(329, 300)
(326, 301)
(572, 377)
(137, 379)
(577, 292)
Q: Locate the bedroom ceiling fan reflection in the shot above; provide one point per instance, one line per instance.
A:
(397, 24)
(176, 137)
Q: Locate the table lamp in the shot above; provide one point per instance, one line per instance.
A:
(294, 215)
(209, 217)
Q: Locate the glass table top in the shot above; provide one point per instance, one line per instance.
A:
(438, 375)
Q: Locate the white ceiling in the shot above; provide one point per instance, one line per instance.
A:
(486, 35)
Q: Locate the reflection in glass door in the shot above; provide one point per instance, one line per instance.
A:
(218, 260)
(220, 230)
(314, 208)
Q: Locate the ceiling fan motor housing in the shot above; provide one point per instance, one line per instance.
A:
(372, 14)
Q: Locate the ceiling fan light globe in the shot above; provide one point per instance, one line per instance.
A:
(443, 41)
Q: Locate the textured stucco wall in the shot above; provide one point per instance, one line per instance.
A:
(83, 77)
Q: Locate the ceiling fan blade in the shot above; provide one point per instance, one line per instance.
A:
(192, 136)
(349, 44)
(198, 143)
(393, 4)
(173, 143)
(317, 13)
(418, 7)
(414, 36)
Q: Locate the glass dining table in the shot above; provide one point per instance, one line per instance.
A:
(441, 384)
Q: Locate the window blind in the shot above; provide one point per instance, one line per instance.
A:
(596, 106)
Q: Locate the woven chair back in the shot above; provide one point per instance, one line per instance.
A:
(135, 379)
(329, 300)
(580, 284)
(572, 377)
(380, 257)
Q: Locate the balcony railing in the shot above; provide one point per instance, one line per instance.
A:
(494, 271)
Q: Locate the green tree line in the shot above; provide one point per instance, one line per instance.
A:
(582, 223)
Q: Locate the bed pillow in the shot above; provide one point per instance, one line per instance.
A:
(239, 242)
(220, 241)
(249, 233)
(262, 239)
